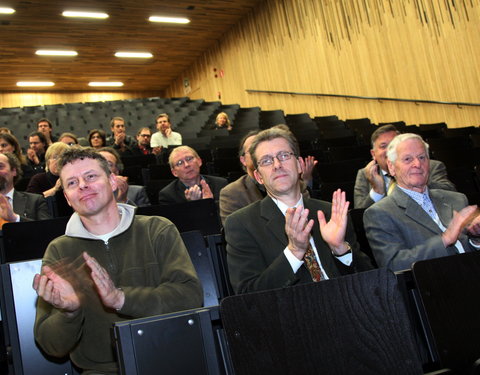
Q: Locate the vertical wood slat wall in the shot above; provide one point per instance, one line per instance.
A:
(412, 49)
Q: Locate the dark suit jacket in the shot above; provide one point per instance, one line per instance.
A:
(437, 180)
(400, 232)
(30, 206)
(256, 239)
(137, 196)
(174, 192)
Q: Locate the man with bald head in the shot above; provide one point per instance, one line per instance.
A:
(416, 222)
(190, 185)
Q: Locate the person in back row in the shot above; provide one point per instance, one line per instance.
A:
(111, 265)
(119, 139)
(373, 181)
(165, 136)
(190, 185)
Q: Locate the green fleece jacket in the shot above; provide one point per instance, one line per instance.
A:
(148, 260)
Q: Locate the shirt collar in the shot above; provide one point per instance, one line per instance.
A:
(416, 196)
(10, 195)
(283, 207)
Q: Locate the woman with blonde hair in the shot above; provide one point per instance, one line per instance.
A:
(223, 122)
(48, 183)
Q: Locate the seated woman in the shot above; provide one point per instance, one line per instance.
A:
(8, 143)
(97, 138)
(223, 122)
(48, 183)
(68, 138)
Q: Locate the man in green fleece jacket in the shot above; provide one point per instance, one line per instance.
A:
(109, 266)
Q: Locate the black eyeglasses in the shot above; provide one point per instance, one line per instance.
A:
(268, 160)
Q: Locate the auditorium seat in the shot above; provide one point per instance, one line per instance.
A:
(271, 118)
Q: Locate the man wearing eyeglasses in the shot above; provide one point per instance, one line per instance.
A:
(190, 185)
(143, 143)
(286, 239)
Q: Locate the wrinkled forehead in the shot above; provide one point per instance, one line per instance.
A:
(272, 147)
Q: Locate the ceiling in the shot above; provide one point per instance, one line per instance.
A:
(38, 24)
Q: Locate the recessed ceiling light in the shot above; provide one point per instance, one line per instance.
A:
(35, 84)
(143, 55)
(7, 10)
(45, 52)
(168, 19)
(70, 13)
(106, 84)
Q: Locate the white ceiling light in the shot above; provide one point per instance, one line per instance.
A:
(7, 10)
(168, 19)
(44, 52)
(106, 84)
(70, 13)
(35, 84)
(143, 55)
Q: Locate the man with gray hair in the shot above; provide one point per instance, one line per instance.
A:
(190, 185)
(372, 182)
(416, 222)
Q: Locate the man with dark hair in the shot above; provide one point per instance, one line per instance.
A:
(119, 139)
(415, 222)
(15, 205)
(144, 135)
(285, 238)
(165, 136)
(135, 195)
(373, 181)
(36, 152)
(109, 266)
(190, 185)
(44, 126)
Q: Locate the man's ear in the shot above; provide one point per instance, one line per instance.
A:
(258, 176)
(113, 181)
(391, 168)
(242, 160)
(373, 154)
(174, 172)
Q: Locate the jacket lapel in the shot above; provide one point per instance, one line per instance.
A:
(414, 211)
(275, 221)
(19, 202)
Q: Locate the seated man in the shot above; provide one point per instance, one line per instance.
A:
(246, 189)
(109, 266)
(136, 195)
(415, 222)
(142, 147)
(45, 126)
(190, 184)
(165, 136)
(119, 139)
(36, 151)
(285, 239)
(18, 205)
(373, 181)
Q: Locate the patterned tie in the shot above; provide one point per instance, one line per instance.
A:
(312, 264)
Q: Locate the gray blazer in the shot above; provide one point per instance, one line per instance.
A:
(400, 232)
(256, 239)
(137, 196)
(437, 180)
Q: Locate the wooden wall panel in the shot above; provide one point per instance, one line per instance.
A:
(21, 99)
(411, 49)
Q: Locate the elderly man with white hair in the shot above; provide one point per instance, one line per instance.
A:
(414, 222)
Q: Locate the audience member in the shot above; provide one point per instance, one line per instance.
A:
(18, 205)
(97, 138)
(165, 136)
(135, 195)
(223, 122)
(68, 138)
(48, 183)
(372, 182)
(36, 151)
(45, 126)
(9, 143)
(416, 222)
(246, 189)
(5, 130)
(110, 265)
(143, 147)
(285, 239)
(190, 185)
(119, 139)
